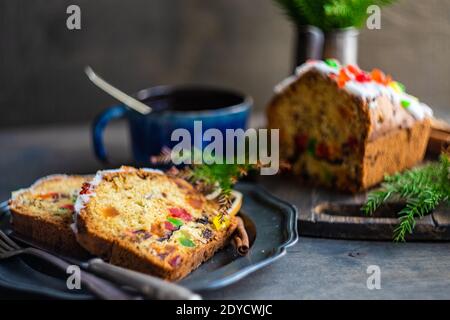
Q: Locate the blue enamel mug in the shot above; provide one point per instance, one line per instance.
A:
(174, 107)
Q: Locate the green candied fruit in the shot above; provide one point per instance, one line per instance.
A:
(311, 146)
(328, 176)
(186, 242)
(332, 63)
(402, 86)
(176, 222)
(405, 103)
(61, 211)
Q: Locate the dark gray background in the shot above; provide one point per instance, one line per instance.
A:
(140, 43)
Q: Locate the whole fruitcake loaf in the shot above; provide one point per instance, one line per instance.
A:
(43, 212)
(347, 128)
(151, 222)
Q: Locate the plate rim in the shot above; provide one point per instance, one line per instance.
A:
(292, 222)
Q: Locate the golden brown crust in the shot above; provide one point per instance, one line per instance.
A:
(123, 256)
(53, 236)
(393, 152)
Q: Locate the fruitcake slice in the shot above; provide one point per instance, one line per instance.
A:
(43, 212)
(145, 220)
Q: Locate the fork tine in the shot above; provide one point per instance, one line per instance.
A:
(2, 250)
(8, 240)
(5, 247)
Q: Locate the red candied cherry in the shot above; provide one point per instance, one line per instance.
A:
(180, 213)
(302, 142)
(68, 207)
(169, 226)
(85, 188)
(322, 151)
(352, 142)
(362, 77)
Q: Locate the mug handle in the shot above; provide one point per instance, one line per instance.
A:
(100, 123)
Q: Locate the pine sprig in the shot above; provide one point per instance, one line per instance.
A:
(423, 188)
(416, 208)
(329, 14)
(212, 178)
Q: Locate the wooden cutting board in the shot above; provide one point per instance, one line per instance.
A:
(439, 137)
(327, 213)
(346, 221)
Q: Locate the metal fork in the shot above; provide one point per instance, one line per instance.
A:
(146, 285)
(101, 288)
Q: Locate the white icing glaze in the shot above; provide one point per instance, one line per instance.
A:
(18, 192)
(285, 83)
(373, 104)
(320, 66)
(368, 90)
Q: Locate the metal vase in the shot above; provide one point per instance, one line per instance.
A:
(309, 44)
(313, 43)
(342, 44)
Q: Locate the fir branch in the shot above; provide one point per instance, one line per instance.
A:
(424, 188)
(212, 178)
(416, 208)
(375, 199)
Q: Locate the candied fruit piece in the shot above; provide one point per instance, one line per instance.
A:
(175, 261)
(332, 63)
(353, 69)
(405, 103)
(186, 242)
(302, 141)
(48, 195)
(180, 213)
(322, 151)
(176, 222)
(69, 207)
(362, 77)
(312, 146)
(220, 222)
(378, 76)
(343, 77)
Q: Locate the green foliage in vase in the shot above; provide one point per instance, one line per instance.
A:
(423, 188)
(329, 14)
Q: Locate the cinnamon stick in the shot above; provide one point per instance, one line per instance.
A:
(240, 240)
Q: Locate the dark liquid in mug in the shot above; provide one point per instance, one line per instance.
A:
(193, 100)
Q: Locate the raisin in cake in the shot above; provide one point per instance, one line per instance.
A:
(347, 128)
(145, 220)
(43, 212)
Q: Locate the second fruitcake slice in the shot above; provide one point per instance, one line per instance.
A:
(148, 221)
(44, 211)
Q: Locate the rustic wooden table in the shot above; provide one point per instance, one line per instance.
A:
(312, 269)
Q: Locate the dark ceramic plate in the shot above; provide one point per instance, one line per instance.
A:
(270, 222)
